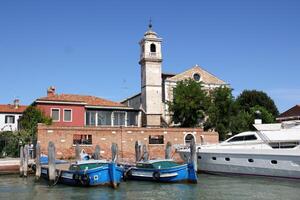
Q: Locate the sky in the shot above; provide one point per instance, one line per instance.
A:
(91, 46)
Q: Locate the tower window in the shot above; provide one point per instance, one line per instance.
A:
(152, 48)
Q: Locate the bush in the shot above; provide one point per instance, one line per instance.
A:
(10, 142)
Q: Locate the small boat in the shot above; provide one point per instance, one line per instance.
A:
(165, 170)
(89, 173)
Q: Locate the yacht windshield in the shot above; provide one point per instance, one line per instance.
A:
(242, 138)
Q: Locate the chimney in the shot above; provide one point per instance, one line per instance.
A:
(257, 119)
(16, 103)
(51, 91)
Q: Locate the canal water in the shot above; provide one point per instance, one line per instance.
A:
(209, 187)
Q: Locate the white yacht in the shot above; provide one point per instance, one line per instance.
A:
(272, 150)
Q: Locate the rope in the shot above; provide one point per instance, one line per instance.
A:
(58, 177)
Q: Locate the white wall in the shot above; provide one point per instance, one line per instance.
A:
(9, 126)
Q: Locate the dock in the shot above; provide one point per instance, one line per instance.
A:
(11, 165)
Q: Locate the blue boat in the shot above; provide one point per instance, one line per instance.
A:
(165, 170)
(89, 173)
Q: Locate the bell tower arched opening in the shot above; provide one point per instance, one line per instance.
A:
(152, 48)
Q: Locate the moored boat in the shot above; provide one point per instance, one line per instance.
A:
(89, 173)
(165, 170)
(273, 150)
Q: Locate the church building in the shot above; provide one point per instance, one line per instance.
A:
(157, 87)
(88, 121)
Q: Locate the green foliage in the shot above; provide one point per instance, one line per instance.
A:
(220, 111)
(241, 122)
(189, 103)
(10, 142)
(265, 115)
(30, 119)
(244, 120)
(251, 98)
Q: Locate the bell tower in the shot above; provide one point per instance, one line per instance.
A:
(151, 82)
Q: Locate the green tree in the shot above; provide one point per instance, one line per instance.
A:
(220, 111)
(251, 98)
(189, 104)
(244, 120)
(30, 119)
(241, 122)
(10, 142)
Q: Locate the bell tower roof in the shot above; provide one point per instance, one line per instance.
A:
(150, 33)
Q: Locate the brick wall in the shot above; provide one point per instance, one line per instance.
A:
(125, 137)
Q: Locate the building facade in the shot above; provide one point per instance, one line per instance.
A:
(157, 87)
(10, 114)
(82, 110)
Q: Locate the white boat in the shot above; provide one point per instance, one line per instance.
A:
(272, 150)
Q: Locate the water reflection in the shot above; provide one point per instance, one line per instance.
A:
(209, 187)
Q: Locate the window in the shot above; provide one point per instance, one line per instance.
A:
(9, 119)
(243, 138)
(214, 158)
(104, 118)
(119, 118)
(250, 137)
(132, 118)
(152, 48)
(156, 139)
(284, 145)
(90, 118)
(237, 139)
(67, 115)
(55, 114)
(197, 77)
(227, 159)
(250, 160)
(274, 162)
(82, 139)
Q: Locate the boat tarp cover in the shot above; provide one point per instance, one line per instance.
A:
(158, 165)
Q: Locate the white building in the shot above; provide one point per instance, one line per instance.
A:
(9, 116)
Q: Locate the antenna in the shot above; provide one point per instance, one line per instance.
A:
(150, 23)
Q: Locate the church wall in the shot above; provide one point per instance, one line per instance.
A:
(134, 102)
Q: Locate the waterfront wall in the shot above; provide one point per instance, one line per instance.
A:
(125, 137)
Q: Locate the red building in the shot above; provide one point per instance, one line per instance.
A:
(80, 110)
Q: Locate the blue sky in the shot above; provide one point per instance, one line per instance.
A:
(91, 47)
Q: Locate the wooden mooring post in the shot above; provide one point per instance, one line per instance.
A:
(77, 152)
(193, 158)
(37, 161)
(114, 152)
(25, 158)
(21, 161)
(168, 150)
(97, 153)
(138, 151)
(145, 153)
(51, 163)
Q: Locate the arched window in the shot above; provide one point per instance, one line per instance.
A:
(152, 48)
(188, 138)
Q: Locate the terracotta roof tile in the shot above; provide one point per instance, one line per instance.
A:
(89, 100)
(9, 108)
(292, 112)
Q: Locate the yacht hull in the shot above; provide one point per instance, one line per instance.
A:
(285, 163)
